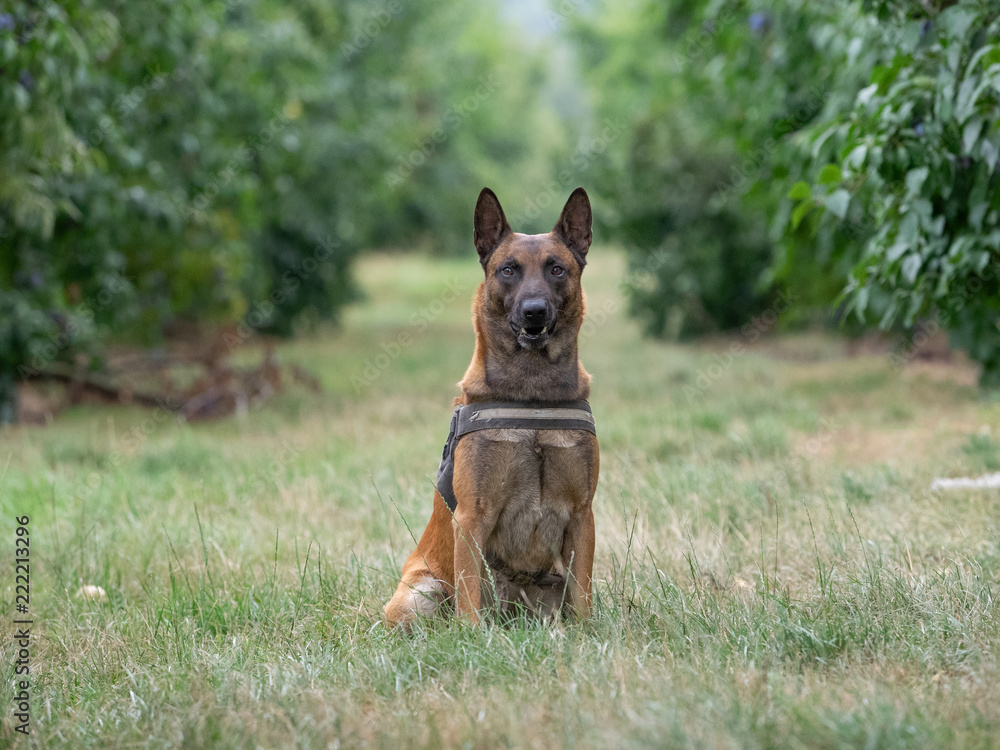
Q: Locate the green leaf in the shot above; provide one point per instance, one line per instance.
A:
(856, 158)
(989, 51)
(955, 21)
(822, 138)
(916, 304)
(837, 203)
(911, 265)
(915, 179)
(923, 209)
(866, 94)
(861, 302)
(968, 96)
(909, 229)
(958, 247)
(970, 133)
(830, 175)
(800, 212)
(895, 251)
(800, 190)
(990, 153)
(890, 313)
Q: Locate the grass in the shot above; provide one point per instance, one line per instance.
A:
(772, 570)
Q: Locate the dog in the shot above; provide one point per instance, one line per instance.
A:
(517, 531)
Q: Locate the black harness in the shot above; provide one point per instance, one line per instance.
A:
(507, 415)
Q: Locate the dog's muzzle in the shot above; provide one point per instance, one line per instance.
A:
(533, 325)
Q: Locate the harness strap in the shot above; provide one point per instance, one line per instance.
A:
(507, 415)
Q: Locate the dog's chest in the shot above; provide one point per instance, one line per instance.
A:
(530, 483)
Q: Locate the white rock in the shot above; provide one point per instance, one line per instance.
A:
(985, 482)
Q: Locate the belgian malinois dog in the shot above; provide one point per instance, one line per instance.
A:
(518, 531)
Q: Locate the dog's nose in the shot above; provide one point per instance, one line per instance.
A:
(533, 311)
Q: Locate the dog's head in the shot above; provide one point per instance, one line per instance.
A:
(533, 280)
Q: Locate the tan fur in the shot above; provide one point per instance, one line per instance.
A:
(524, 496)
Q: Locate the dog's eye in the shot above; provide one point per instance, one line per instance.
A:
(507, 271)
(558, 270)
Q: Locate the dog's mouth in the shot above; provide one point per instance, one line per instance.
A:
(532, 337)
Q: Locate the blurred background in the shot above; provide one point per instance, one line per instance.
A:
(258, 214)
(179, 179)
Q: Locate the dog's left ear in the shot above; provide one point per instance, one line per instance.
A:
(574, 225)
(489, 225)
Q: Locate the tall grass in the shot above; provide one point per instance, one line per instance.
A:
(772, 569)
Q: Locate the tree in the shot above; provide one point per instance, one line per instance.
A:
(712, 94)
(215, 161)
(908, 170)
(845, 151)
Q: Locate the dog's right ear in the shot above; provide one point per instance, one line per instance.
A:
(490, 225)
(574, 225)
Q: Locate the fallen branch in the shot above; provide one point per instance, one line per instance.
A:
(79, 384)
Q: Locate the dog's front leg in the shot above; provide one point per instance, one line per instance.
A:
(469, 538)
(578, 549)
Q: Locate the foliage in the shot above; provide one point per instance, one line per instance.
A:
(845, 151)
(220, 161)
(908, 170)
(717, 91)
